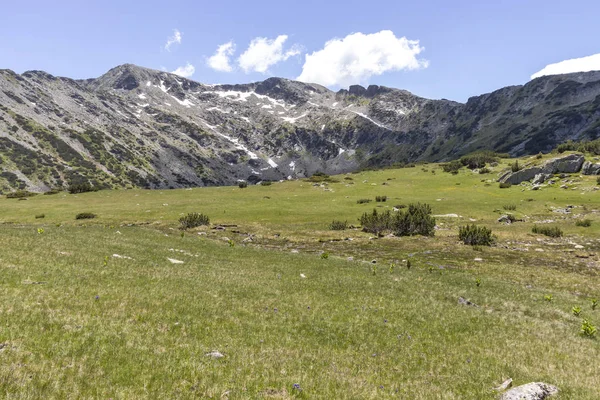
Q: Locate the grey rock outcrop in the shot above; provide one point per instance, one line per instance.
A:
(530, 391)
(526, 174)
(568, 164)
(589, 168)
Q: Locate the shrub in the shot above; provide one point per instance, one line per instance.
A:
(376, 222)
(551, 231)
(40, 216)
(85, 215)
(192, 220)
(475, 235)
(584, 222)
(52, 191)
(478, 159)
(85, 187)
(510, 207)
(363, 201)
(416, 220)
(20, 194)
(598, 181)
(400, 206)
(348, 178)
(587, 329)
(505, 185)
(380, 199)
(242, 184)
(484, 170)
(266, 183)
(338, 225)
(515, 166)
(452, 167)
(576, 311)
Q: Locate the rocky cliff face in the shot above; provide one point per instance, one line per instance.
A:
(139, 127)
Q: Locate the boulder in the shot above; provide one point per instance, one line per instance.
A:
(540, 178)
(568, 164)
(526, 174)
(530, 391)
(590, 169)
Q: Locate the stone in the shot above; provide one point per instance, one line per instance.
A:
(540, 178)
(530, 391)
(504, 385)
(567, 164)
(536, 187)
(507, 219)
(464, 302)
(526, 174)
(215, 354)
(589, 168)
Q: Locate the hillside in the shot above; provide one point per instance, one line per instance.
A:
(139, 127)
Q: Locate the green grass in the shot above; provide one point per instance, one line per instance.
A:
(347, 329)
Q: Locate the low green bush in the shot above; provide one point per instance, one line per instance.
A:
(363, 201)
(415, 220)
(242, 184)
(380, 199)
(510, 207)
(40, 216)
(505, 185)
(85, 187)
(586, 223)
(52, 191)
(20, 194)
(193, 220)
(338, 225)
(85, 215)
(452, 167)
(550, 231)
(475, 235)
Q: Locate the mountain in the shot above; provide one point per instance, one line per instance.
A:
(137, 127)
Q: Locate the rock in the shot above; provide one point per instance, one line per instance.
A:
(464, 302)
(536, 187)
(540, 178)
(174, 261)
(590, 169)
(215, 354)
(530, 391)
(508, 219)
(568, 164)
(526, 174)
(504, 385)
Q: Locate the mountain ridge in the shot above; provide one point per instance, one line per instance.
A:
(138, 127)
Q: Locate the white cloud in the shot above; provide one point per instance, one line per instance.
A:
(175, 39)
(262, 53)
(358, 56)
(186, 71)
(584, 64)
(220, 60)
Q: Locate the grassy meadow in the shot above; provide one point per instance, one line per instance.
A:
(127, 305)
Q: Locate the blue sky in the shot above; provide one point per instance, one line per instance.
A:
(464, 48)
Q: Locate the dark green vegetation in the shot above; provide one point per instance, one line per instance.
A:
(125, 306)
(85, 215)
(551, 231)
(193, 220)
(475, 235)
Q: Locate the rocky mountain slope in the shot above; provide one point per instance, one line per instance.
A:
(135, 126)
